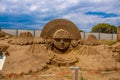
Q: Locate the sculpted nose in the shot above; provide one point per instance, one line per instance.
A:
(61, 41)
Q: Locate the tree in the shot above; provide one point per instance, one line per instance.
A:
(81, 31)
(104, 28)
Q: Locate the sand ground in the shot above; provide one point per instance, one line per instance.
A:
(64, 73)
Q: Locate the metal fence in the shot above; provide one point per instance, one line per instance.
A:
(84, 35)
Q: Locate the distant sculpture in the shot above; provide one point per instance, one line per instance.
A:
(25, 38)
(91, 40)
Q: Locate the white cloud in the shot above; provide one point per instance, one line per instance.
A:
(14, 0)
(113, 20)
(25, 6)
(100, 1)
(2, 7)
(33, 7)
(83, 21)
(86, 22)
(70, 9)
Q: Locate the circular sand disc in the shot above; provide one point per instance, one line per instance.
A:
(51, 27)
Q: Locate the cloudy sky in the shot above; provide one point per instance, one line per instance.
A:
(34, 14)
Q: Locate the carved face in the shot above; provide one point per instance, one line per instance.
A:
(61, 39)
(61, 43)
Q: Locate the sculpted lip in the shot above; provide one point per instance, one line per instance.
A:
(62, 46)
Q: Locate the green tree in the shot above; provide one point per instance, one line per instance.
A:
(104, 28)
(81, 31)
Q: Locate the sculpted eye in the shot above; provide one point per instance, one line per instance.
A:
(66, 40)
(57, 39)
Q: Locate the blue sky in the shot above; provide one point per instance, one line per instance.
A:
(34, 14)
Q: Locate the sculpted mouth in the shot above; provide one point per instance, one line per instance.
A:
(61, 46)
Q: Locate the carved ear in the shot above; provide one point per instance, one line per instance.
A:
(74, 43)
(49, 44)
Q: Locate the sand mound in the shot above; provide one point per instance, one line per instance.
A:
(91, 40)
(25, 38)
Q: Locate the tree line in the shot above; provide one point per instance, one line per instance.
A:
(104, 28)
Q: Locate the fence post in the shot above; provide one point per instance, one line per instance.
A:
(112, 36)
(99, 35)
(0, 28)
(17, 32)
(75, 72)
(34, 33)
(84, 35)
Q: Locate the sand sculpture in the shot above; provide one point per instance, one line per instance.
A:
(60, 45)
(58, 36)
(91, 40)
(25, 38)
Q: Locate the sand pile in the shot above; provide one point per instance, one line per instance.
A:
(91, 40)
(25, 38)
